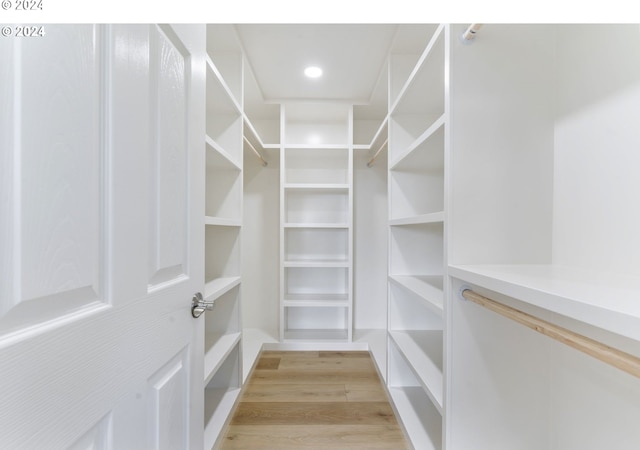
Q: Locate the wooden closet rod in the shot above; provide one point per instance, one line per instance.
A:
(370, 163)
(264, 163)
(470, 33)
(617, 358)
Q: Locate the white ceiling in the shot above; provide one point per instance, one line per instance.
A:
(351, 57)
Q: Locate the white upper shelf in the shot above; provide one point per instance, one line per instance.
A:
(435, 217)
(315, 225)
(317, 186)
(407, 158)
(219, 157)
(607, 301)
(425, 56)
(218, 91)
(427, 287)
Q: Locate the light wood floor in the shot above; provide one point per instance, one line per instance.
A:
(314, 400)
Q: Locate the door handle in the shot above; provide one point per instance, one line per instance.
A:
(199, 305)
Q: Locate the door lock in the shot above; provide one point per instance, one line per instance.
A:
(199, 305)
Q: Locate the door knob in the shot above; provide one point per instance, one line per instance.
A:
(199, 305)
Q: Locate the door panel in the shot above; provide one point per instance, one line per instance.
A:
(97, 438)
(168, 223)
(169, 398)
(57, 188)
(101, 237)
(128, 113)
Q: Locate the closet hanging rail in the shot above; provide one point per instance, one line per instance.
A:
(370, 163)
(257, 153)
(470, 33)
(617, 358)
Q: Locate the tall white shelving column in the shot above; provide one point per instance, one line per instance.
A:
(416, 183)
(316, 200)
(223, 222)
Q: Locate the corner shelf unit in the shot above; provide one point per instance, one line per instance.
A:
(316, 198)
(417, 124)
(222, 222)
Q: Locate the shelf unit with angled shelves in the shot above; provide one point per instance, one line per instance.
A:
(417, 125)
(223, 222)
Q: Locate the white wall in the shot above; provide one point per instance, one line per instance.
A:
(597, 148)
(500, 377)
(596, 221)
(502, 146)
(370, 241)
(593, 405)
(260, 246)
(500, 213)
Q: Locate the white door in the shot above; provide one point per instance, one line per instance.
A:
(101, 237)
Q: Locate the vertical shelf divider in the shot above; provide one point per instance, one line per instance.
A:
(223, 223)
(418, 123)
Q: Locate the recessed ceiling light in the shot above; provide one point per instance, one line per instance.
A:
(313, 72)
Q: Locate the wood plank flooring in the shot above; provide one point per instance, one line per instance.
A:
(314, 400)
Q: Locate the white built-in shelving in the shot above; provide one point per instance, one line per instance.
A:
(222, 222)
(429, 288)
(222, 388)
(316, 223)
(510, 191)
(417, 124)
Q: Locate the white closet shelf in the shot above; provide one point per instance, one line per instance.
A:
(218, 404)
(422, 349)
(222, 84)
(429, 132)
(328, 263)
(315, 304)
(318, 186)
(315, 225)
(381, 134)
(427, 287)
(378, 140)
(219, 286)
(222, 221)
(256, 134)
(434, 217)
(316, 300)
(317, 296)
(607, 301)
(318, 335)
(253, 342)
(418, 67)
(220, 156)
(420, 418)
(317, 146)
(217, 348)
